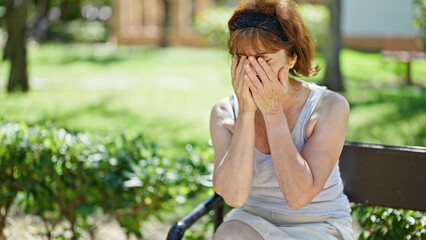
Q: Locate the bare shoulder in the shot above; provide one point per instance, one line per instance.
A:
(333, 104)
(223, 109)
(222, 114)
(331, 111)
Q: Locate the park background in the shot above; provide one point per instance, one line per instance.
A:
(104, 129)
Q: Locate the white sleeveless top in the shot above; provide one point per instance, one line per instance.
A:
(265, 192)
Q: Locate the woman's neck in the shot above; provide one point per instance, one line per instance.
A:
(296, 95)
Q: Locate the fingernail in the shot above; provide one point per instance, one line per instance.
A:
(260, 60)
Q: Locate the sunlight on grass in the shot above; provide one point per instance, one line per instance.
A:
(167, 94)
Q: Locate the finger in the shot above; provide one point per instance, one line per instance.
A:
(258, 69)
(250, 84)
(240, 66)
(234, 66)
(268, 70)
(252, 76)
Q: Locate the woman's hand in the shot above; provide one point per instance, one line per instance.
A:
(268, 91)
(244, 96)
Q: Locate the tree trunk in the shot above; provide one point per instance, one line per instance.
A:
(40, 24)
(3, 217)
(6, 51)
(16, 15)
(165, 25)
(333, 77)
(64, 9)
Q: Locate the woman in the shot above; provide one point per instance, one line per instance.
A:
(278, 139)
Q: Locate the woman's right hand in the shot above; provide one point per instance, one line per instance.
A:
(244, 96)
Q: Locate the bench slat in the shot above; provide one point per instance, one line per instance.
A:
(384, 175)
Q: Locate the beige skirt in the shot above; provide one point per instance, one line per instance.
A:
(274, 226)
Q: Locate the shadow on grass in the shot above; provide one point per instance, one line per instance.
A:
(97, 60)
(98, 55)
(99, 111)
(408, 100)
(101, 118)
(410, 105)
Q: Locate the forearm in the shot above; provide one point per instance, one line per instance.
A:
(293, 173)
(233, 177)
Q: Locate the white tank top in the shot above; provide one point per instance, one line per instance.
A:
(265, 192)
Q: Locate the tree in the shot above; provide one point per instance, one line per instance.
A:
(16, 51)
(40, 23)
(165, 24)
(333, 77)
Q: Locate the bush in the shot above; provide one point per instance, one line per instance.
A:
(389, 223)
(62, 176)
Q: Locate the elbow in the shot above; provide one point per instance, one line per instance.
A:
(297, 204)
(234, 203)
(301, 201)
(230, 199)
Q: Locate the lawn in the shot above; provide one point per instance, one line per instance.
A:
(167, 94)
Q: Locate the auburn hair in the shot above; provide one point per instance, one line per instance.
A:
(299, 41)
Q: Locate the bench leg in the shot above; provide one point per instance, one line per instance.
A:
(218, 216)
(408, 79)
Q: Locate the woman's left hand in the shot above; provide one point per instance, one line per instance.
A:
(267, 89)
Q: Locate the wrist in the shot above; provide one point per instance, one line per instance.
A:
(246, 113)
(273, 116)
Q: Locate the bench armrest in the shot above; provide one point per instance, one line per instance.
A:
(214, 202)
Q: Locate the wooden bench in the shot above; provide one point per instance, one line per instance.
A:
(372, 174)
(406, 58)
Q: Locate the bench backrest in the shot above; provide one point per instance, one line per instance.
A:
(384, 175)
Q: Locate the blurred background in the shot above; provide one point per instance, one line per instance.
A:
(105, 106)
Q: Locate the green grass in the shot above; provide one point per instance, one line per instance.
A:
(167, 94)
(163, 93)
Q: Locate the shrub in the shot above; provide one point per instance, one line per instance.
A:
(63, 176)
(388, 223)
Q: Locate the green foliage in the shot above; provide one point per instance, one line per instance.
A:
(420, 21)
(79, 30)
(59, 176)
(316, 18)
(211, 23)
(389, 223)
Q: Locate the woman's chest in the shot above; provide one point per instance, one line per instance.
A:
(261, 136)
